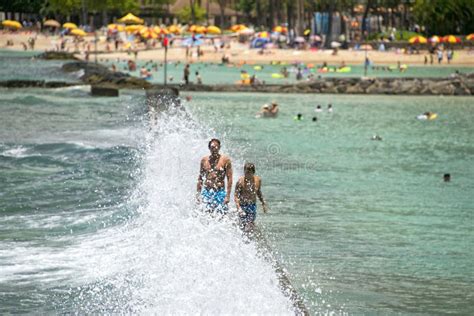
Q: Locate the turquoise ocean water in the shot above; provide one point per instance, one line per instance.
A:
(97, 211)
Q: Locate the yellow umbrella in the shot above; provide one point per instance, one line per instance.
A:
(470, 37)
(213, 30)
(70, 25)
(130, 19)
(451, 39)
(193, 28)
(157, 29)
(200, 29)
(148, 33)
(263, 35)
(175, 29)
(78, 32)
(51, 23)
(12, 24)
(237, 28)
(418, 40)
(133, 28)
(117, 27)
(280, 29)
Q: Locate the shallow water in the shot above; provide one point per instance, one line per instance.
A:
(97, 212)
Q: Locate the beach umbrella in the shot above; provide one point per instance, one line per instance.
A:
(12, 24)
(238, 27)
(280, 29)
(470, 37)
(263, 35)
(307, 32)
(70, 25)
(118, 27)
(246, 31)
(335, 44)
(366, 47)
(451, 39)
(316, 38)
(78, 32)
(434, 39)
(213, 30)
(148, 33)
(51, 23)
(133, 28)
(175, 29)
(200, 29)
(418, 40)
(130, 19)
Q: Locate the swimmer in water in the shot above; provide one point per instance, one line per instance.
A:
(330, 108)
(211, 187)
(247, 189)
(298, 117)
(318, 109)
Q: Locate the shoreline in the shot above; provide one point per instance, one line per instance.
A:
(237, 52)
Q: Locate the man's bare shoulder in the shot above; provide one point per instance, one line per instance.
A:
(204, 159)
(225, 158)
(258, 180)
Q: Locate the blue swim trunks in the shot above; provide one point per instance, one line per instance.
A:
(250, 210)
(213, 200)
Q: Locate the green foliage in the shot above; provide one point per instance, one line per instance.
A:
(399, 35)
(443, 17)
(186, 16)
(26, 6)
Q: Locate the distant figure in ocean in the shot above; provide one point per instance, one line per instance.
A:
(269, 110)
(376, 137)
(447, 177)
(212, 192)
(315, 119)
(299, 74)
(186, 74)
(247, 189)
(318, 109)
(198, 78)
(298, 117)
(330, 108)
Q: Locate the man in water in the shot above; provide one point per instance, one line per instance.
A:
(212, 173)
(247, 189)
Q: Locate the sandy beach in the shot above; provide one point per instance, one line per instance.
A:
(238, 53)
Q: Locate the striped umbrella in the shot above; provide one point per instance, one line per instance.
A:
(451, 39)
(470, 37)
(418, 40)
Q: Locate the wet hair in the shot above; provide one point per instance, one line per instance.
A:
(213, 140)
(315, 119)
(249, 167)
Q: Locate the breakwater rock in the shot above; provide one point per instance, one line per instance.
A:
(456, 85)
(57, 55)
(99, 75)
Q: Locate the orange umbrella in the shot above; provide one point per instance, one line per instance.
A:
(237, 28)
(280, 29)
(470, 37)
(175, 29)
(451, 39)
(418, 40)
(148, 33)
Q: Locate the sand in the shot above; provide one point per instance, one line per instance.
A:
(238, 53)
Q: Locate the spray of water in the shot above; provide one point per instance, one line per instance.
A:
(169, 257)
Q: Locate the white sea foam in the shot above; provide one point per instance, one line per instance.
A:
(16, 152)
(169, 258)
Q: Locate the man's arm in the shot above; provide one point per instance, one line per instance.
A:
(228, 172)
(200, 177)
(260, 195)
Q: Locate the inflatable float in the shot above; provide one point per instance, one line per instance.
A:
(427, 116)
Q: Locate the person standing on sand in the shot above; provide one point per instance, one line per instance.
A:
(212, 192)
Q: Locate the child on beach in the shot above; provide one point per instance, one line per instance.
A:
(247, 189)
